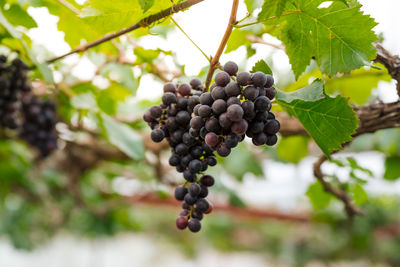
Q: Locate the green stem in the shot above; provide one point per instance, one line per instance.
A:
(270, 18)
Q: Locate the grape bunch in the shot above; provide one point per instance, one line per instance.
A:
(38, 126)
(13, 84)
(198, 124)
(190, 155)
(33, 118)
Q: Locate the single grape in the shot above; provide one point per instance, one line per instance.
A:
(232, 89)
(155, 112)
(184, 212)
(211, 161)
(157, 135)
(206, 99)
(181, 149)
(196, 123)
(195, 83)
(243, 78)
(235, 112)
(174, 160)
(270, 81)
(239, 127)
(219, 106)
(190, 200)
(194, 190)
(182, 222)
(270, 93)
(223, 150)
(202, 205)
(182, 103)
(189, 176)
(251, 92)
(218, 93)
(203, 192)
(259, 139)
(194, 225)
(233, 100)
(231, 141)
(211, 139)
(169, 98)
(272, 140)
(272, 127)
(196, 109)
(183, 117)
(187, 139)
(224, 122)
(204, 111)
(147, 117)
(259, 79)
(207, 180)
(184, 89)
(262, 116)
(262, 103)
(231, 68)
(212, 125)
(197, 215)
(222, 79)
(195, 166)
(180, 192)
(196, 152)
(256, 127)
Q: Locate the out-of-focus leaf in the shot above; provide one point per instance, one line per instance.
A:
(359, 194)
(272, 8)
(252, 5)
(392, 168)
(262, 66)
(318, 197)
(236, 40)
(123, 137)
(293, 148)
(19, 17)
(146, 4)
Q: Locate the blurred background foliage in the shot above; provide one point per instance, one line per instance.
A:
(93, 186)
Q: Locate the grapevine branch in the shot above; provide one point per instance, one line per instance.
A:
(145, 22)
(215, 60)
(391, 62)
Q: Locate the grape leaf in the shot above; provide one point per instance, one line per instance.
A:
(392, 168)
(252, 5)
(19, 17)
(329, 121)
(318, 197)
(359, 194)
(123, 137)
(272, 8)
(146, 4)
(311, 32)
(236, 40)
(262, 66)
(293, 148)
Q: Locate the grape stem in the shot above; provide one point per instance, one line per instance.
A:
(215, 60)
(143, 23)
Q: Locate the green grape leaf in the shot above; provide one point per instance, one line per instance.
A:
(19, 17)
(312, 32)
(329, 121)
(262, 66)
(236, 40)
(252, 5)
(318, 197)
(271, 8)
(293, 148)
(359, 194)
(392, 168)
(146, 4)
(123, 137)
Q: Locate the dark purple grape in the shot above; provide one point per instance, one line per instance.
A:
(212, 125)
(180, 192)
(184, 89)
(183, 117)
(211, 139)
(262, 116)
(233, 100)
(256, 127)
(169, 98)
(272, 140)
(190, 200)
(232, 89)
(206, 99)
(203, 192)
(197, 215)
(189, 176)
(207, 180)
(196, 109)
(259, 139)
(194, 225)
(196, 123)
(195, 83)
(219, 106)
(259, 79)
(270, 116)
(182, 223)
(203, 132)
(174, 160)
(261, 91)
(231, 68)
(270, 81)
(239, 127)
(262, 103)
(184, 212)
(224, 122)
(182, 103)
(235, 112)
(204, 111)
(181, 149)
(155, 112)
(177, 136)
(194, 190)
(187, 139)
(202, 205)
(218, 93)
(231, 141)
(147, 117)
(250, 92)
(223, 150)
(195, 166)
(272, 127)
(194, 133)
(243, 78)
(186, 159)
(211, 161)
(157, 135)
(196, 152)
(193, 101)
(270, 93)
(222, 79)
